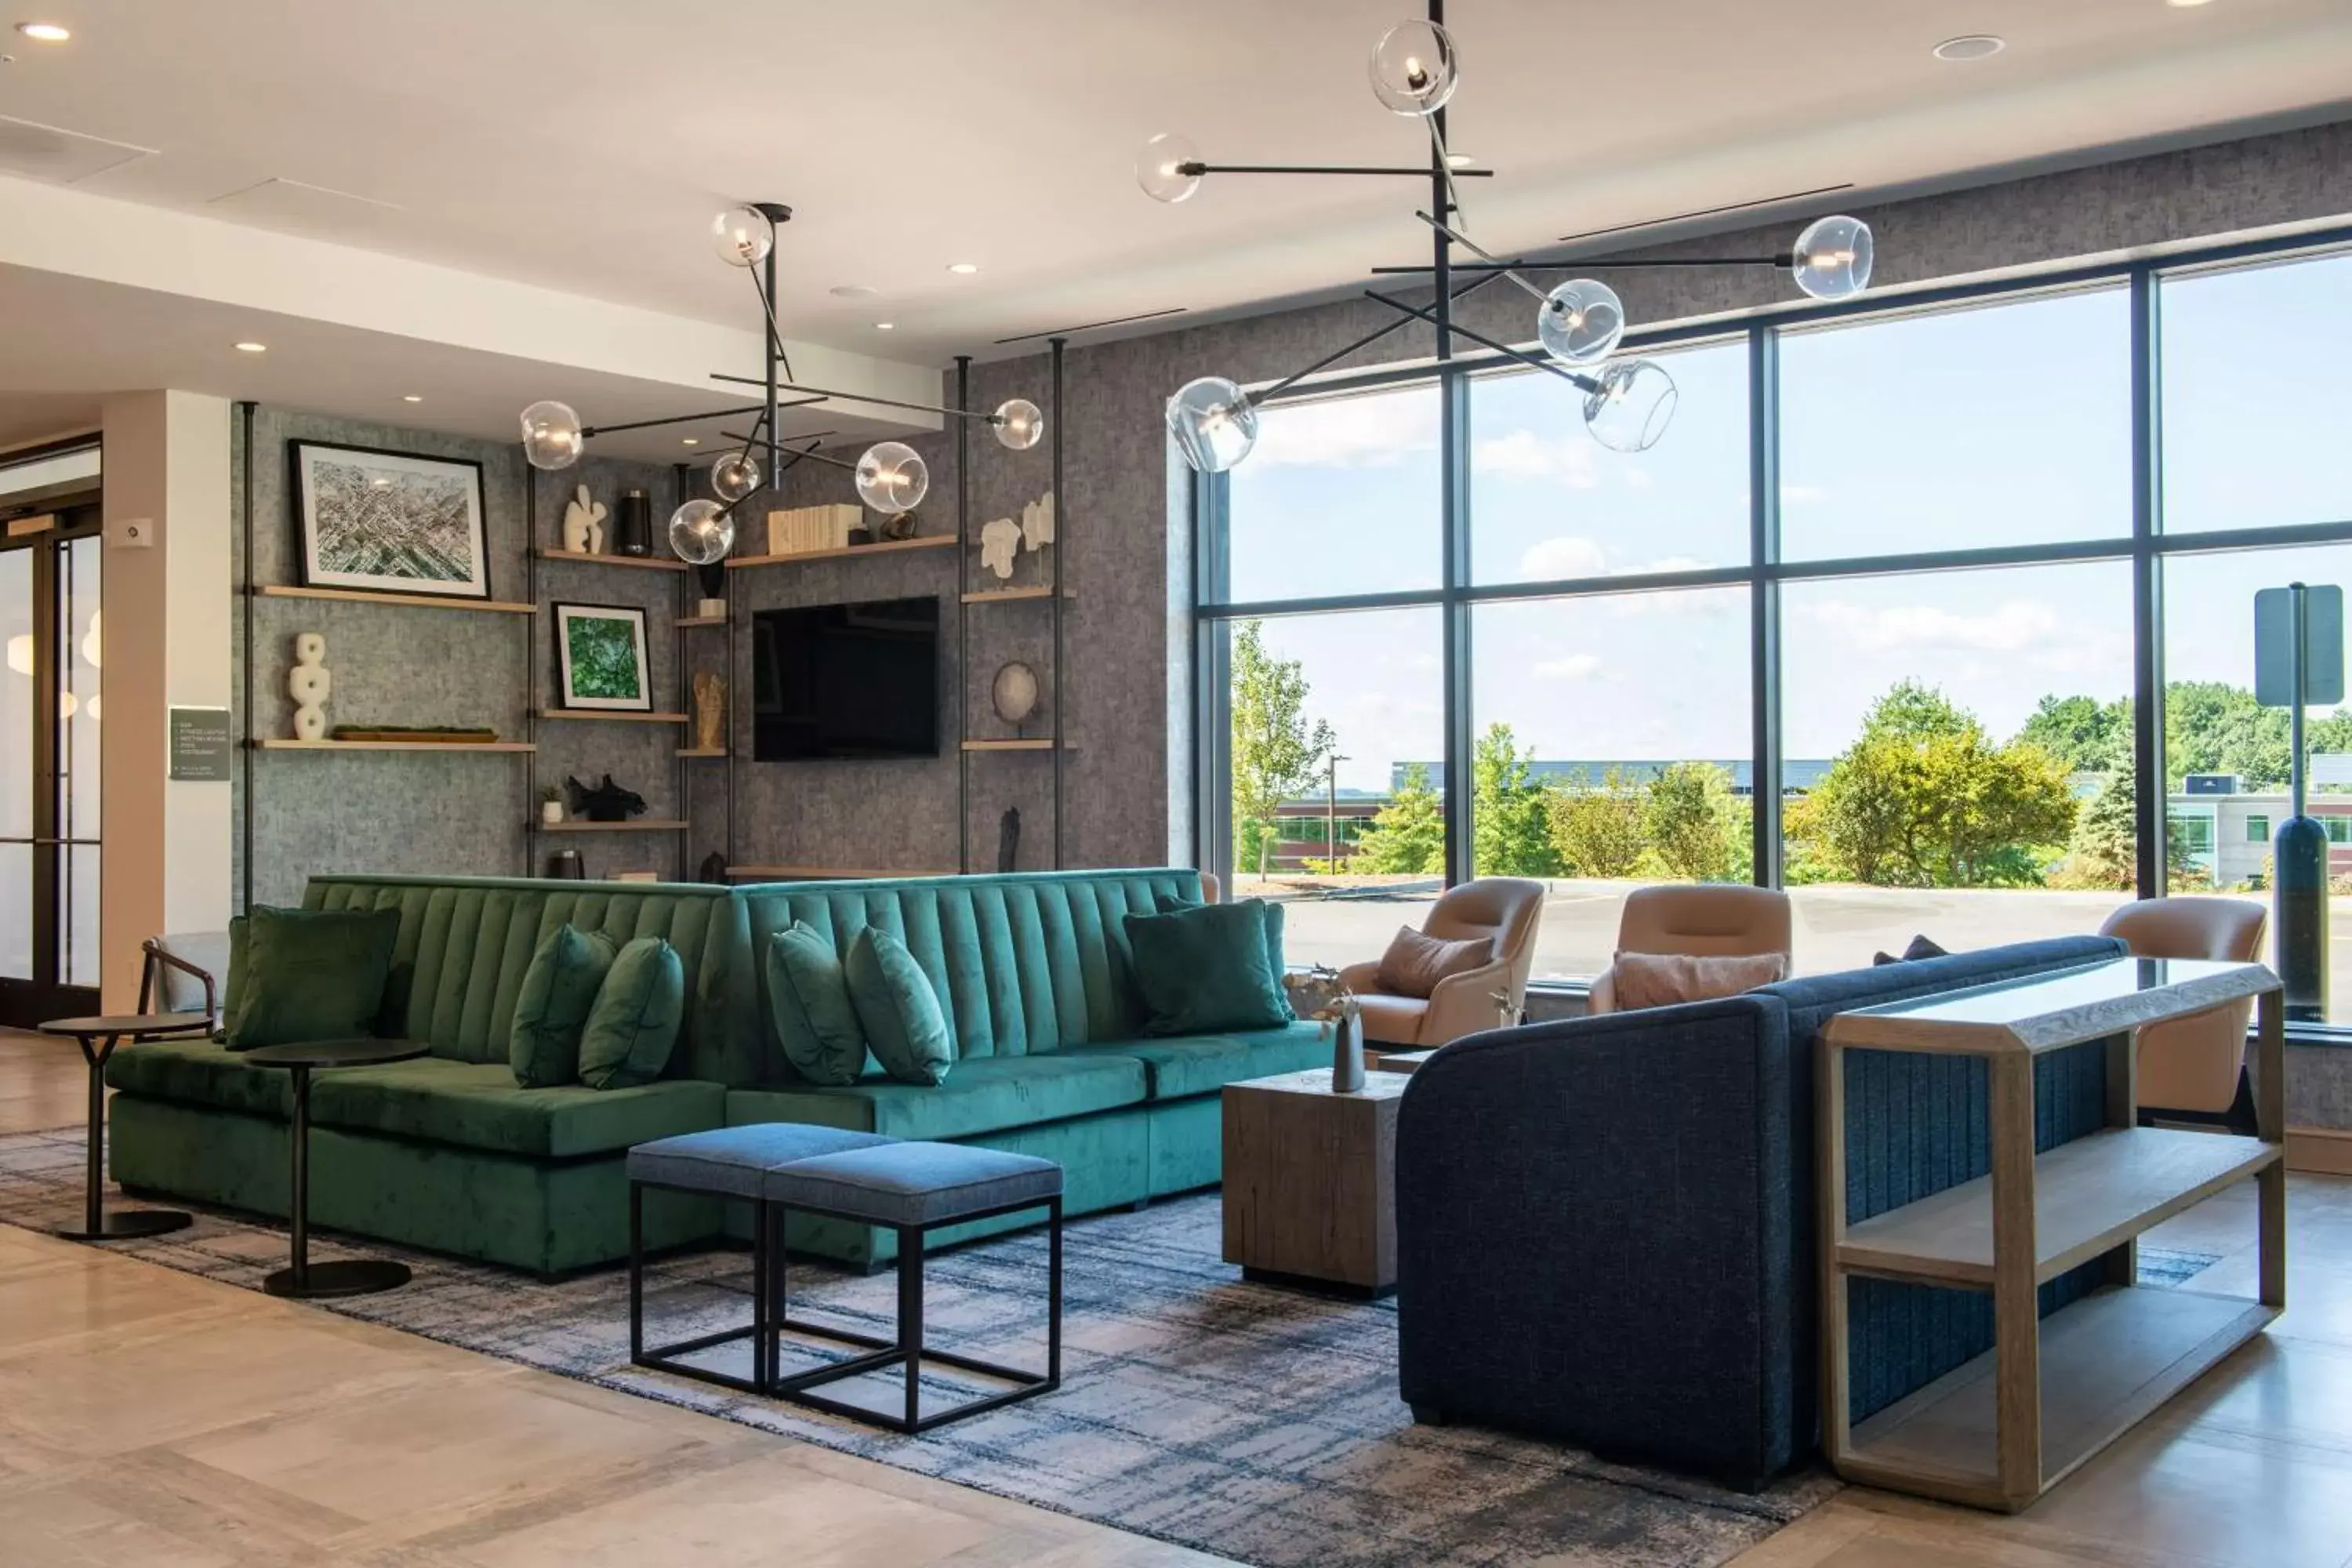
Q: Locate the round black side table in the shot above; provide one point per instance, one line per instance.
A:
(98, 1224)
(353, 1277)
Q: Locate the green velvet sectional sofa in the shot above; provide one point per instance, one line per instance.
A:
(447, 1153)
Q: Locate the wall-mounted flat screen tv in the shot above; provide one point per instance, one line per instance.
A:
(846, 680)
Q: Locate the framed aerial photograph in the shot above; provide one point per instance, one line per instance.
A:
(389, 523)
(599, 658)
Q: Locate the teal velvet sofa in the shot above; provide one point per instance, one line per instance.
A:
(447, 1153)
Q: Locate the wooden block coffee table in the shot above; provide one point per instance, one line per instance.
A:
(1310, 1181)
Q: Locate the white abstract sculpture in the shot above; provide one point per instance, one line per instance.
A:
(1000, 542)
(583, 524)
(309, 683)
(1037, 522)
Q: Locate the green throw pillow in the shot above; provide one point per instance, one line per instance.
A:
(808, 1001)
(1202, 970)
(895, 1001)
(558, 991)
(308, 974)
(233, 983)
(1169, 903)
(634, 1025)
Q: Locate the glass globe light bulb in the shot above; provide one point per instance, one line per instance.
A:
(892, 477)
(701, 532)
(1214, 423)
(1833, 258)
(1581, 322)
(1020, 424)
(1415, 68)
(734, 475)
(1160, 167)
(1631, 407)
(743, 237)
(552, 437)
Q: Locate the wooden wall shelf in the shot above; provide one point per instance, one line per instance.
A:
(641, 825)
(820, 874)
(412, 601)
(1015, 595)
(617, 717)
(684, 623)
(641, 563)
(703, 750)
(888, 546)
(279, 745)
(1045, 745)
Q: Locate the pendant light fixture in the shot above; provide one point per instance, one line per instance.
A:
(1579, 324)
(890, 476)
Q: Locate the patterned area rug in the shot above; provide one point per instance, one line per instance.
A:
(1258, 1424)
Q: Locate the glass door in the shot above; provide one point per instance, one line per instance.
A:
(50, 709)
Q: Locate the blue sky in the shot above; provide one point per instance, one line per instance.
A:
(2000, 425)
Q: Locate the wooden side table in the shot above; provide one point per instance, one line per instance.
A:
(1310, 1181)
(2004, 1429)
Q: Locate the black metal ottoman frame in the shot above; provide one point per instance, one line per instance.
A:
(771, 1318)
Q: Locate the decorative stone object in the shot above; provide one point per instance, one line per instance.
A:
(897, 525)
(1008, 840)
(583, 524)
(608, 802)
(1037, 523)
(309, 683)
(1013, 693)
(710, 711)
(1000, 542)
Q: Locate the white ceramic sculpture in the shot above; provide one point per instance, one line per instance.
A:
(1000, 542)
(310, 684)
(1037, 522)
(583, 524)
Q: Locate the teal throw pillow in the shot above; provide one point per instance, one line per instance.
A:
(1168, 903)
(808, 1001)
(904, 1025)
(633, 1028)
(1202, 970)
(552, 1009)
(308, 974)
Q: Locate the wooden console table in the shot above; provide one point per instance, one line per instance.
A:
(2004, 1429)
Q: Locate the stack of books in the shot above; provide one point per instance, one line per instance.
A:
(806, 528)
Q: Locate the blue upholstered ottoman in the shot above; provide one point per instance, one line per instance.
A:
(730, 1163)
(914, 1188)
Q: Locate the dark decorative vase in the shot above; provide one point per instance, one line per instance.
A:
(1348, 1055)
(633, 532)
(564, 865)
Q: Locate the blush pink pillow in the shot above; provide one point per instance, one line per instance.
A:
(1662, 979)
(1415, 963)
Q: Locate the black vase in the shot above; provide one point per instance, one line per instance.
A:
(633, 531)
(565, 866)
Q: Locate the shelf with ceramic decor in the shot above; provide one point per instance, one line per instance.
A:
(2003, 1429)
(598, 558)
(636, 825)
(401, 601)
(616, 717)
(1044, 743)
(825, 874)
(1015, 596)
(879, 547)
(268, 743)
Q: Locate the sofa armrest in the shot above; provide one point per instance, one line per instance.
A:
(1600, 996)
(1362, 979)
(1464, 1003)
(1595, 1236)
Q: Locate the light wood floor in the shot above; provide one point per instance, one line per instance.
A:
(147, 1416)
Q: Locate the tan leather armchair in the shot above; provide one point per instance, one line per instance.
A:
(1709, 920)
(2193, 1063)
(1507, 910)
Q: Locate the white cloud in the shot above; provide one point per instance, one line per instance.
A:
(1343, 433)
(1523, 455)
(2015, 626)
(1563, 556)
(1575, 666)
(1802, 495)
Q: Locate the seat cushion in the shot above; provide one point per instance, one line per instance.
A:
(200, 1071)
(1203, 1064)
(1393, 1020)
(731, 1160)
(913, 1183)
(479, 1105)
(987, 1094)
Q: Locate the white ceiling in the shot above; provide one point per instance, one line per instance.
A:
(583, 146)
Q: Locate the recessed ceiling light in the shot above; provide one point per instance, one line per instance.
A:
(46, 31)
(1971, 47)
(249, 348)
(886, 326)
(854, 292)
(410, 397)
(690, 441)
(2186, 5)
(963, 269)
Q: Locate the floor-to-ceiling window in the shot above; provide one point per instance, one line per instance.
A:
(2000, 521)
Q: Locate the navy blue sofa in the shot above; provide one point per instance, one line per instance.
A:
(1605, 1226)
